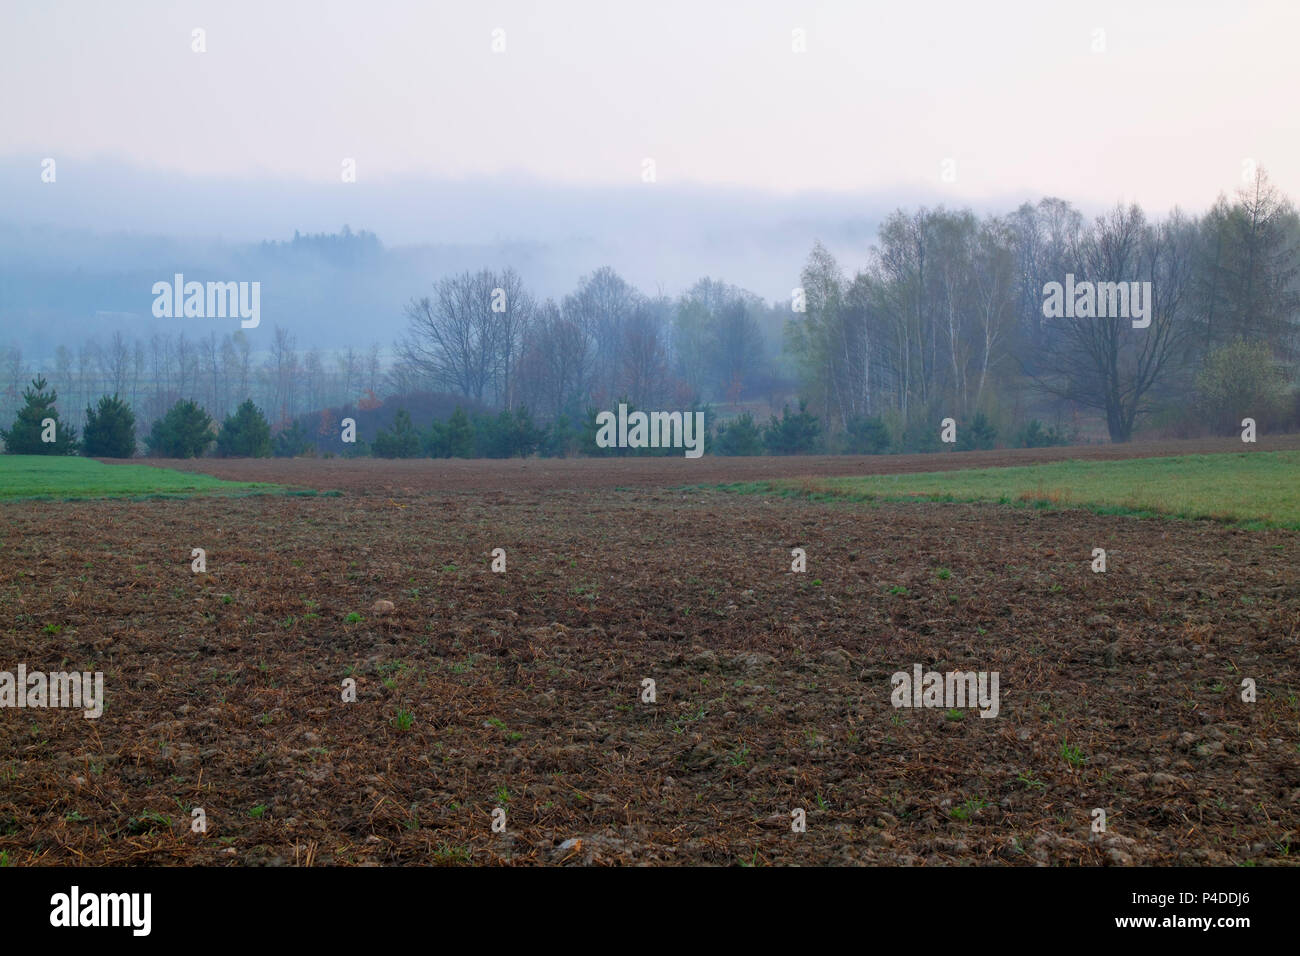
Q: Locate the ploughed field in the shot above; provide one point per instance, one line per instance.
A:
(370, 476)
(523, 691)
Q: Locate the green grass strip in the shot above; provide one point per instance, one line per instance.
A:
(58, 478)
(1254, 490)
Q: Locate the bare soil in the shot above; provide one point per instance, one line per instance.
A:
(371, 476)
(1118, 691)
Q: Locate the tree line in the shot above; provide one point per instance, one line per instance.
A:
(943, 318)
(186, 430)
(946, 318)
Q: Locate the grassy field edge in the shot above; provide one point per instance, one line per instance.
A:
(1254, 491)
(69, 478)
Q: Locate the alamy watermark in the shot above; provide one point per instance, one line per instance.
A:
(75, 908)
(952, 691)
(213, 300)
(1098, 300)
(651, 430)
(82, 690)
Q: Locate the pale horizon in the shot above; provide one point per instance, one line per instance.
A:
(1016, 98)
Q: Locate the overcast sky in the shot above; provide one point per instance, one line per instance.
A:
(1012, 92)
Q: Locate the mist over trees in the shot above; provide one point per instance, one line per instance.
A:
(946, 317)
(942, 317)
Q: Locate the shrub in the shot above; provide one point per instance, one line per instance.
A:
(434, 442)
(740, 436)
(184, 432)
(981, 434)
(292, 441)
(866, 436)
(24, 436)
(1035, 435)
(245, 434)
(506, 434)
(460, 435)
(403, 441)
(110, 429)
(1240, 381)
(525, 435)
(559, 439)
(792, 434)
(492, 435)
(921, 433)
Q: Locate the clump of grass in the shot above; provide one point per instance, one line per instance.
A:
(148, 822)
(1073, 755)
(1030, 783)
(969, 808)
(448, 855)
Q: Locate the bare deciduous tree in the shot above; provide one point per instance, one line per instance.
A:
(1104, 362)
(468, 335)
